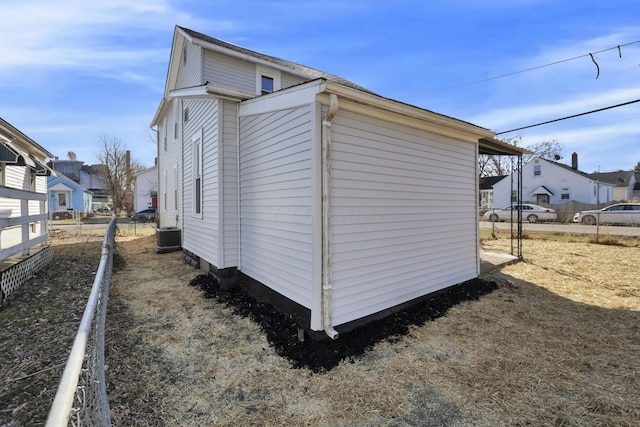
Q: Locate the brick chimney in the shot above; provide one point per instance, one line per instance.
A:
(574, 161)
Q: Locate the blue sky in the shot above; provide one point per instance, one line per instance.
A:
(72, 71)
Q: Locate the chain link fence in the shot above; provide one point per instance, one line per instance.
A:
(81, 399)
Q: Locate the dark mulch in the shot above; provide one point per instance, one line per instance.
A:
(323, 355)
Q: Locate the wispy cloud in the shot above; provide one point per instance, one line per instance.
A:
(126, 37)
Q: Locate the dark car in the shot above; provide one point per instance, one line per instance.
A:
(145, 215)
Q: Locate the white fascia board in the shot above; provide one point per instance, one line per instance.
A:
(61, 187)
(227, 93)
(394, 110)
(210, 91)
(287, 98)
(159, 113)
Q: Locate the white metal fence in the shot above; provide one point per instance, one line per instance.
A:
(81, 398)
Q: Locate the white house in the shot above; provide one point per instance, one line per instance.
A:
(333, 203)
(547, 182)
(23, 207)
(145, 189)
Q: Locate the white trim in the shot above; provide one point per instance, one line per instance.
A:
(197, 172)
(270, 72)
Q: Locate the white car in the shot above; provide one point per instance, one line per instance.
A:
(621, 213)
(531, 213)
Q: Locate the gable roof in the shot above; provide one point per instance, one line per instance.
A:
(487, 144)
(487, 182)
(619, 178)
(15, 136)
(235, 50)
(66, 181)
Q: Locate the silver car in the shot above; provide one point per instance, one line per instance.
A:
(531, 213)
(620, 213)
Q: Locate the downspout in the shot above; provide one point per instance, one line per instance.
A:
(326, 214)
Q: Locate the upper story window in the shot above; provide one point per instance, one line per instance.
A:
(184, 53)
(565, 194)
(268, 80)
(267, 85)
(537, 170)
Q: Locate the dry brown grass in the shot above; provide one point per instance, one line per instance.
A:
(557, 344)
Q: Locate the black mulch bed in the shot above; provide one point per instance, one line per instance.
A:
(323, 355)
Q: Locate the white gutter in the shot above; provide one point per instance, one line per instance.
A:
(326, 214)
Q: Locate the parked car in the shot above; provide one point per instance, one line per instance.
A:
(620, 213)
(145, 215)
(531, 213)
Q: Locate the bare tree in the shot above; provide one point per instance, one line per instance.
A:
(489, 165)
(117, 171)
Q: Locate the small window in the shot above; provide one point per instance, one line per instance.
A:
(184, 54)
(536, 170)
(175, 130)
(565, 194)
(185, 115)
(267, 85)
(197, 174)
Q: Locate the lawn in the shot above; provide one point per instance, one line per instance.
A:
(556, 343)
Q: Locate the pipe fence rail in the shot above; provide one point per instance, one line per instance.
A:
(81, 399)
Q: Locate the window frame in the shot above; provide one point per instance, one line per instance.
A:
(272, 73)
(197, 174)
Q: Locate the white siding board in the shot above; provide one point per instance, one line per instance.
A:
(288, 80)
(275, 181)
(229, 72)
(402, 222)
(190, 74)
(229, 221)
(201, 233)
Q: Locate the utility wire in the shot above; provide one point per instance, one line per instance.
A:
(618, 48)
(570, 117)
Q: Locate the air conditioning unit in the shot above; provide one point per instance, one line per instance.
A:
(168, 239)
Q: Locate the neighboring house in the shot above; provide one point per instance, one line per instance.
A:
(145, 189)
(547, 182)
(624, 183)
(333, 203)
(23, 208)
(88, 176)
(486, 190)
(636, 188)
(67, 196)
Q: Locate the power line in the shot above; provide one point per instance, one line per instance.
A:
(570, 117)
(618, 47)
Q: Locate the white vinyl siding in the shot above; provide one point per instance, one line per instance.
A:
(229, 72)
(190, 73)
(276, 201)
(288, 80)
(402, 214)
(229, 184)
(201, 231)
(170, 163)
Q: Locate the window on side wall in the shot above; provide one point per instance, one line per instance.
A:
(267, 84)
(565, 194)
(536, 170)
(197, 173)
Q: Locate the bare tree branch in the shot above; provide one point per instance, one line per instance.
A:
(117, 170)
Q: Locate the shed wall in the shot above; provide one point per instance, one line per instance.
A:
(402, 214)
(276, 201)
